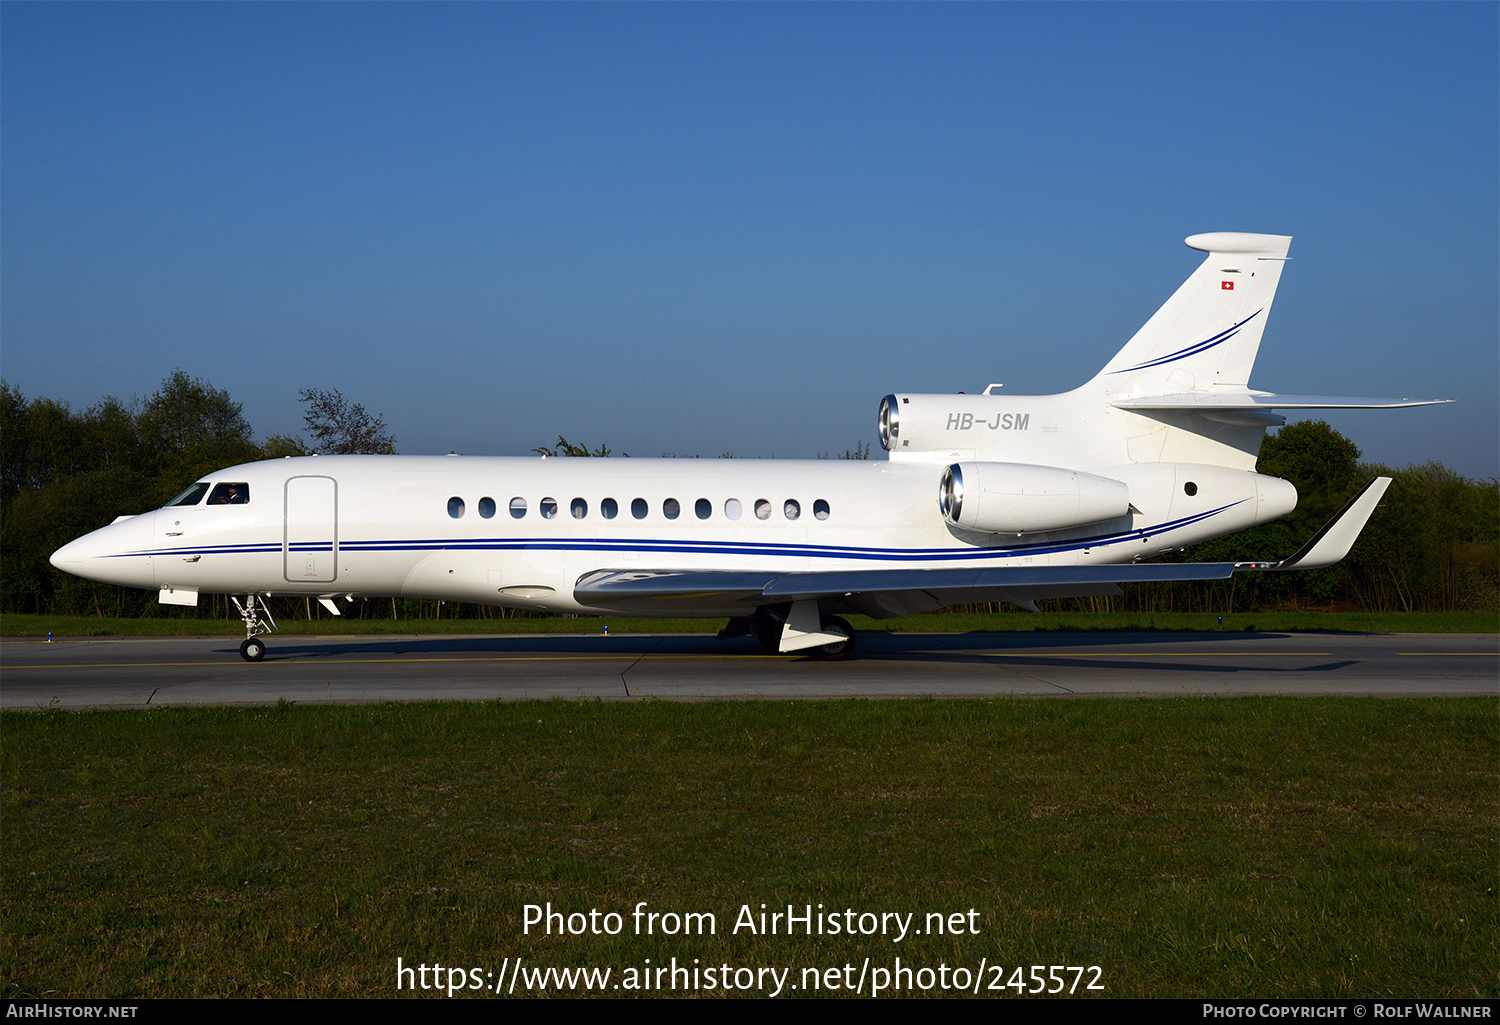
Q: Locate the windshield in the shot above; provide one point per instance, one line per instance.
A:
(191, 496)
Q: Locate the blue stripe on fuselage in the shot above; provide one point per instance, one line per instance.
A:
(716, 547)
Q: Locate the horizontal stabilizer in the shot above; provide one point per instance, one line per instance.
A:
(1220, 401)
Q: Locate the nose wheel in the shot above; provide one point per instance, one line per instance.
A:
(257, 620)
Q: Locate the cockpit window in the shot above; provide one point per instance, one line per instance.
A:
(230, 494)
(192, 496)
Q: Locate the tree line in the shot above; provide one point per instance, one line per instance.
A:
(1433, 545)
(65, 472)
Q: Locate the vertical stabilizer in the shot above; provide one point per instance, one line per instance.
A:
(1208, 333)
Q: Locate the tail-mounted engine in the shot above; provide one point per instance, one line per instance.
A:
(914, 425)
(1017, 498)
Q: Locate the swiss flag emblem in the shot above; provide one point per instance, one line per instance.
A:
(1227, 286)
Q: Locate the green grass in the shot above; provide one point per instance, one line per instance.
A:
(1261, 847)
(20, 625)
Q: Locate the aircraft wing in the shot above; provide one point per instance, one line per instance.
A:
(878, 593)
(882, 593)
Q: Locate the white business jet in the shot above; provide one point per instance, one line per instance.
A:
(983, 497)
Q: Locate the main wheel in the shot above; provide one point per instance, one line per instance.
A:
(253, 650)
(840, 649)
(768, 632)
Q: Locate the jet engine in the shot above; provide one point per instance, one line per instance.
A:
(1018, 498)
(915, 426)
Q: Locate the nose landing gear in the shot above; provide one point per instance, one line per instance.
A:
(257, 617)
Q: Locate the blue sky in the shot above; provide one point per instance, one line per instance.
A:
(734, 227)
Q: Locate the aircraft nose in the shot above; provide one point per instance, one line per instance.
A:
(116, 554)
(67, 557)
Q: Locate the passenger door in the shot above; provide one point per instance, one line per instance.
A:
(310, 545)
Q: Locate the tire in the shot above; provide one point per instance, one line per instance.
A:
(768, 632)
(840, 650)
(253, 650)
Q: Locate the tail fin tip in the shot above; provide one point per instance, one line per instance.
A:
(1239, 242)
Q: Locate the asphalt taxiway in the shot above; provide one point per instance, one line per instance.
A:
(153, 672)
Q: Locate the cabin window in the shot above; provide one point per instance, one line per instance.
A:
(703, 508)
(820, 509)
(638, 508)
(762, 509)
(487, 507)
(549, 508)
(791, 510)
(1190, 489)
(609, 508)
(191, 496)
(455, 507)
(517, 508)
(230, 494)
(579, 508)
(732, 508)
(670, 509)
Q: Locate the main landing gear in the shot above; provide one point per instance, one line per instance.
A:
(768, 626)
(838, 650)
(257, 617)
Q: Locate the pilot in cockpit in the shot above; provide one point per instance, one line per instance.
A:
(229, 494)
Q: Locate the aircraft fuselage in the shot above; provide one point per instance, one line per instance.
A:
(522, 531)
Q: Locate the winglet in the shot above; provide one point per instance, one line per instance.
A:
(1338, 535)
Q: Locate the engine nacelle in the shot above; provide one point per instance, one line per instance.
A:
(1018, 498)
(914, 424)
